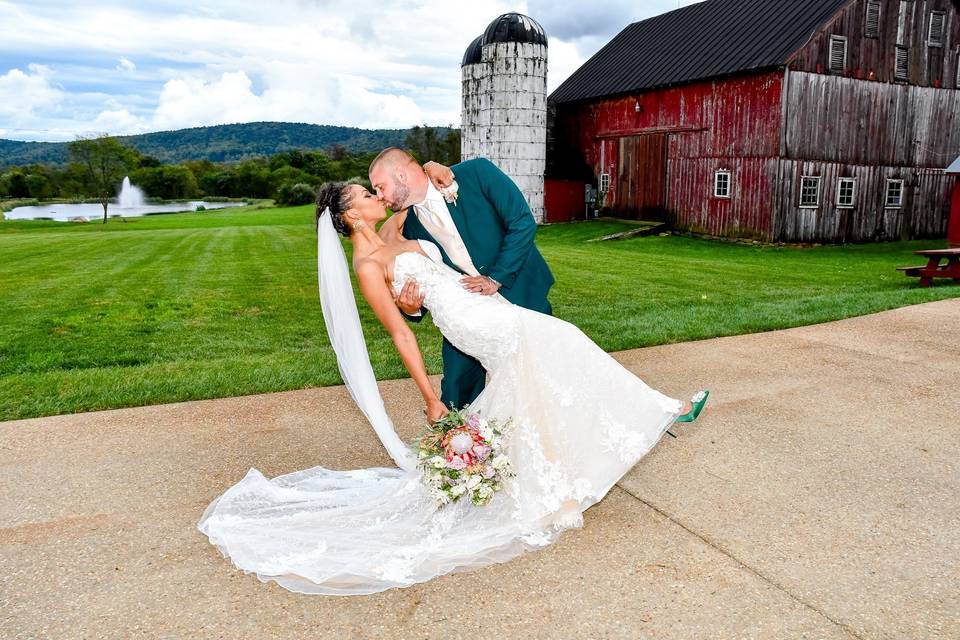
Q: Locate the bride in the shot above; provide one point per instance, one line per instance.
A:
(581, 421)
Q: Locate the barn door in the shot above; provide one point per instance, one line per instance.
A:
(642, 178)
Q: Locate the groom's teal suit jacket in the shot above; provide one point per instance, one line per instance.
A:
(498, 229)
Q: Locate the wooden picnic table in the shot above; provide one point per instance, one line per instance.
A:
(934, 268)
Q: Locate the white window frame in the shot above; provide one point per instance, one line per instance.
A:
(853, 193)
(943, 29)
(886, 194)
(803, 183)
(604, 183)
(896, 63)
(838, 41)
(957, 79)
(878, 7)
(716, 184)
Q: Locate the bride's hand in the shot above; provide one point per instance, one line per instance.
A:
(435, 411)
(440, 174)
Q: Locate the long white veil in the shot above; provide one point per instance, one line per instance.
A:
(346, 336)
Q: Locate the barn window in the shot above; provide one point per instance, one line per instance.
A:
(809, 192)
(838, 53)
(871, 28)
(935, 29)
(604, 182)
(902, 68)
(846, 192)
(958, 72)
(721, 184)
(894, 194)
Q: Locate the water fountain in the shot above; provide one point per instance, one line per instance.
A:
(130, 196)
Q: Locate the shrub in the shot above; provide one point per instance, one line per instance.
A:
(296, 194)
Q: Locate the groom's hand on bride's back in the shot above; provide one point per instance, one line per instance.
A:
(410, 300)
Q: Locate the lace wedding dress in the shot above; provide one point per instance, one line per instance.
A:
(581, 421)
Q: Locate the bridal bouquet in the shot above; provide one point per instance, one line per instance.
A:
(462, 455)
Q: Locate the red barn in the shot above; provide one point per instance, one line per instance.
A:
(800, 121)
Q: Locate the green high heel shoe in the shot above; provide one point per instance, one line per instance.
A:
(697, 402)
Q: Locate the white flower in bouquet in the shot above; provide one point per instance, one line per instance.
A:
(473, 481)
(501, 462)
(437, 462)
(458, 489)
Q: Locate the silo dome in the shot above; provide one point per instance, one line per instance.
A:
(474, 52)
(515, 27)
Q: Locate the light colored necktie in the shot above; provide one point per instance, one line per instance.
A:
(432, 216)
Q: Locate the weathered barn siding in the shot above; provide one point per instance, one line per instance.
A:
(708, 126)
(746, 214)
(902, 22)
(924, 212)
(844, 120)
(841, 127)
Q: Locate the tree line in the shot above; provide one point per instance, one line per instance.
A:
(97, 166)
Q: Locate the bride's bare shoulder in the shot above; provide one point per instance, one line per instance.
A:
(367, 267)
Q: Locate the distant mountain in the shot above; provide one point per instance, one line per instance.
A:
(227, 142)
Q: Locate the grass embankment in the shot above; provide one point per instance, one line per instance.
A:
(189, 306)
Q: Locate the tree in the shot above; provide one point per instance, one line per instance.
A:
(169, 182)
(422, 143)
(450, 147)
(103, 162)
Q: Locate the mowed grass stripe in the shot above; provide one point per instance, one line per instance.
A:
(192, 306)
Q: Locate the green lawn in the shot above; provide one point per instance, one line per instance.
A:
(190, 306)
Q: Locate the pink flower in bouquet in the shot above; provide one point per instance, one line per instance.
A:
(488, 471)
(473, 420)
(481, 451)
(456, 463)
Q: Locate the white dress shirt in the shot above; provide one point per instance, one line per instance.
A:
(435, 218)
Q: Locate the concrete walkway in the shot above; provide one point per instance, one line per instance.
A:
(817, 497)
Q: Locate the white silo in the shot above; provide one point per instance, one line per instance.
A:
(504, 115)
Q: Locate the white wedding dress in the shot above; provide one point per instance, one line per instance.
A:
(581, 421)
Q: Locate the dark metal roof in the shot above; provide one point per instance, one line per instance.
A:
(474, 52)
(704, 40)
(514, 27)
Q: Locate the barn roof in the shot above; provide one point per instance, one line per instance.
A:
(704, 40)
(954, 167)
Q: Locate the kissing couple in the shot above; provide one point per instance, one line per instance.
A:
(460, 248)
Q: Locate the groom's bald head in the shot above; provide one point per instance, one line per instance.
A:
(398, 178)
(391, 158)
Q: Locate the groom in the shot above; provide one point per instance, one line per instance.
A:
(486, 233)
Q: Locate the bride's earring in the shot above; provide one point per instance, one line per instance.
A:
(358, 225)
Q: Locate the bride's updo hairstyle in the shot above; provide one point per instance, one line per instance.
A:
(336, 197)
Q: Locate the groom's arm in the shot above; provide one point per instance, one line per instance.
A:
(409, 300)
(518, 222)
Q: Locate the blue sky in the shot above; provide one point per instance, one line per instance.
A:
(69, 69)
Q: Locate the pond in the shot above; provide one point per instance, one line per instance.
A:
(94, 211)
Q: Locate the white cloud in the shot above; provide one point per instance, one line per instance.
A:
(25, 95)
(119, 121)
(368, 63)
(126, 66)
